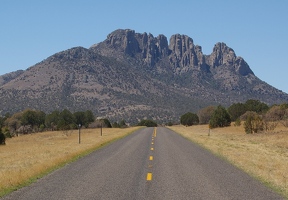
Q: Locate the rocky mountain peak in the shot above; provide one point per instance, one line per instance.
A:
(181, 53)
(180, 44)
(184, 54)
(222, 55)
(134, 76)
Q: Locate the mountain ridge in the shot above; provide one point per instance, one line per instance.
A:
(133, 76)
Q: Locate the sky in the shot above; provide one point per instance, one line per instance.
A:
(257, 30)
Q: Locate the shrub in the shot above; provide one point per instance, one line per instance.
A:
(220, 118)
(275, 113)
(169, 124)
(188, 119)
(237, 122)
(115, 125)
(253, 123)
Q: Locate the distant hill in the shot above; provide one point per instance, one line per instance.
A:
(133, 76)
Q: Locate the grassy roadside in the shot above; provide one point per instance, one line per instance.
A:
(27, 158)
(263, 156)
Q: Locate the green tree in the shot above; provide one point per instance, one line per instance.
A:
(40, 120)
(2, 120)
(84, 118)
(147, 122)
(80, 118)
(29, 117)
(66, 120)
(106, 123)
(220, 118)
(52, 119)
(122, 124)
(89, 117)
(256, 106)
(2, 137)
(34, 118)
(115, 125)
(189, 119)
(236, 110)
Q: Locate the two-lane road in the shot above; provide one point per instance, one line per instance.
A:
(148, 164)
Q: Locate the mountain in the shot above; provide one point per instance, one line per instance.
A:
(9, 76)
(132, 76)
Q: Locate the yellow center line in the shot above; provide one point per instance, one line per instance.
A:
(152, 142)
(151, 158)
(149, 176)
(152, 148)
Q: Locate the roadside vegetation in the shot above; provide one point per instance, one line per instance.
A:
(28, 157)
(251, 135)
(256, 116)
(262, 155)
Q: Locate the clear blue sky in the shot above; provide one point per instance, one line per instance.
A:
(257, 30)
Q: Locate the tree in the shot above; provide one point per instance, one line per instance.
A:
(80, 118)
(2, 137)
(29, 117)
(66, 120)
(52, 119)
(188, 119)
(220, 118)
(41, 116)
(147, 122)
(115, 125)
(89, 116)
(32, 118)
(256, 106)
(106, 123)
(236, 110)
(122, 124)
(205, 114)
(84, 118)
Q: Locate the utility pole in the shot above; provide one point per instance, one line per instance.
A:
(79, 126)
(101, 128)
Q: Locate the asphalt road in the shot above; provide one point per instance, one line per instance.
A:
(148, 164)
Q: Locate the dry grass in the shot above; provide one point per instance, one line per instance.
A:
(25, 158)
(264, 155)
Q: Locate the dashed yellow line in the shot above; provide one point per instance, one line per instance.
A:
(155, 132)
(149, 177)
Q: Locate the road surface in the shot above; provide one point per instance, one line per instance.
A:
(152, 163)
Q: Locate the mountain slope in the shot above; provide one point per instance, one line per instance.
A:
(132, 76)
